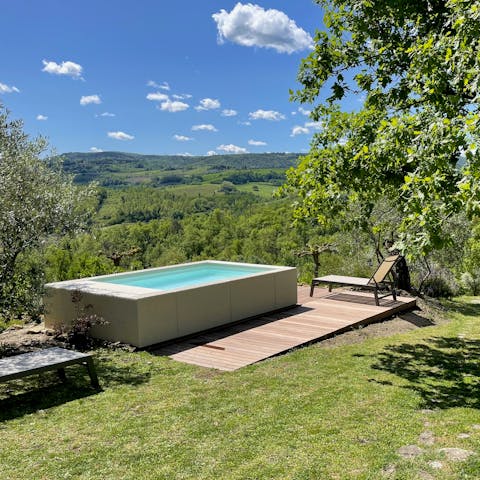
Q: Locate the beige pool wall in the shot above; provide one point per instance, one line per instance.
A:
(143, 317)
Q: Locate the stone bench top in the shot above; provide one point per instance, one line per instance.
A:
(30, 362)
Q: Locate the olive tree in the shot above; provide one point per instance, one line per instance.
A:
(415, 65)
(37, 200)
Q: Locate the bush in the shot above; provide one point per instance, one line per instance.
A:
(79, 335)
(471, 282)
(227, 187)
(438, 286)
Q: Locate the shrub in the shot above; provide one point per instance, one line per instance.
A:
(438, 286)
(79, 334)
(471, 282)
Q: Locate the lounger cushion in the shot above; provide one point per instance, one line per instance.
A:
(355, 281)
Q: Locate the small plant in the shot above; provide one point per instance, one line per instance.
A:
(471, 282)
(79, 335)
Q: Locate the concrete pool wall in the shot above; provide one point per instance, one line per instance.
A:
(142, 316)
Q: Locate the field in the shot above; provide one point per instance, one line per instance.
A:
(113, 169)
(334, 410)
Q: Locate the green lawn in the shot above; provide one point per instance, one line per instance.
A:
(316, 413)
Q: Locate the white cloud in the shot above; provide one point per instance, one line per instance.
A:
(298, 130)
(183, 96)
(208, 104)
(88, 99)
(8, 89)
(185, 154)
(252, 26)
(208, 127)
(266, 115)
(174, 106)
(314, 125)
(96, 150)
(120, 136)
(162, 86)
(67, 68)
(41, 117)
(257, 143)
(231, 149)
(182, 138)
(157, 97)
(211, 153)
(247, 124)
(306, 128)
(304, 111)
(228, 112)
(106, 114)
(166, 104)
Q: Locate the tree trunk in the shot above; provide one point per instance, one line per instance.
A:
(402, 275)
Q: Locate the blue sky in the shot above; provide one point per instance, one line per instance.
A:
(184, 77)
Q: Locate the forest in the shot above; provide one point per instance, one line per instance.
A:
(118, 168)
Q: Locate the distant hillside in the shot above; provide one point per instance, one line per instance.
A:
(126, 168)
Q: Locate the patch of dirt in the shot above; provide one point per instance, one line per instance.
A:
(426, 438)
(22, 339)
(34, 336)
(410, 451)
(428, 313)
(456, 454)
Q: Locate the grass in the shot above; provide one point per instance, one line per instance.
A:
(265, 190)
(316, 413)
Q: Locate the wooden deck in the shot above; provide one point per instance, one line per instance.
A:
(324, 315)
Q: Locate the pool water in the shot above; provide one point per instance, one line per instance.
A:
(184, 276)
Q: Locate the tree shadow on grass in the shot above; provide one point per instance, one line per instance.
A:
(445, 371)
(40, 392)
(469, 309)
(22, 399)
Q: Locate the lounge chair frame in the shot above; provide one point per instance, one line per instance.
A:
(377, 282)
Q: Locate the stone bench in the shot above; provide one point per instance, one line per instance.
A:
(55, 358)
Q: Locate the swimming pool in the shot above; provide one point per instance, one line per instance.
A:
(185, 276)
(155, 305)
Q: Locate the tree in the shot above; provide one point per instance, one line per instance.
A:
(415, 139)
(314, 251)
(36, 200)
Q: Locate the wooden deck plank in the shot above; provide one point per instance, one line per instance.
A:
(257, 345)
(215, 361)
(248, 342)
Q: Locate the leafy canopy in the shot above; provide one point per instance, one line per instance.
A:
(36, 200)
(416, 64)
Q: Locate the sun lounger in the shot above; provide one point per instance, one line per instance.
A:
(54, 358)
(378, 281)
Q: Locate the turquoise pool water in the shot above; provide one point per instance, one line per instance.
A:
(185, 275)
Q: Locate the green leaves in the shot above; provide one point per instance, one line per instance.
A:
(416, 138)
(36, 200)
